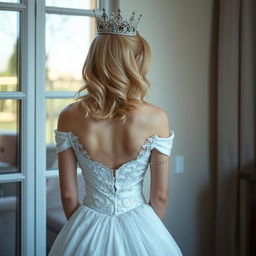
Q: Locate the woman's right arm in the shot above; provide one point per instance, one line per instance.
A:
(159, 170)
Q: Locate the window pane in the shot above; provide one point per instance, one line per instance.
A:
(81, 4)
(9, 136)
(55, 215)
(9, 51)
(53, 108)
(10, 219)
(66, 50)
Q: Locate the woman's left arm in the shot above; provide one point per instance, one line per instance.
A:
(67, 169)
(68, 181)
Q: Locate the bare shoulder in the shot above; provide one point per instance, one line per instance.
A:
(66, 116)
(157, 118)
(156, 111)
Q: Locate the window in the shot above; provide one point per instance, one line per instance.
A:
(42, 56)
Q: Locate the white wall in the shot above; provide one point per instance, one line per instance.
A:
(179, 33)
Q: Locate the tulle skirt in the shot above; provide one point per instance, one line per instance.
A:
(138, 232)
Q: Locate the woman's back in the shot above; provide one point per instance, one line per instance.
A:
(112, 142)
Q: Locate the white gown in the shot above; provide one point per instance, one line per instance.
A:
(114, 218)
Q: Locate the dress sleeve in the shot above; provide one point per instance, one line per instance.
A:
(62, 141)
(164, 145)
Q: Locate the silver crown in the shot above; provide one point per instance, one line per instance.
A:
(115, 24)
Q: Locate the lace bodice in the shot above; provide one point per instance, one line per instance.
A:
(109, 191)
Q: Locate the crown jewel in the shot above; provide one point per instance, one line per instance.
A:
(116, 24)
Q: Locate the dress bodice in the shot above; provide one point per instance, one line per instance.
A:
(109, 191)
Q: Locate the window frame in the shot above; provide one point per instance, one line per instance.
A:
(25, 94)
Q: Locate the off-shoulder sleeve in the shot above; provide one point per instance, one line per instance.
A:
(164, 145)
(62, 141)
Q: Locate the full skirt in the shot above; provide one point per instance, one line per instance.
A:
(138, 232)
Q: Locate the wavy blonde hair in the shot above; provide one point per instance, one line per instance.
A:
(112, 77)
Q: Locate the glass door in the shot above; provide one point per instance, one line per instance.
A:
(17, 119)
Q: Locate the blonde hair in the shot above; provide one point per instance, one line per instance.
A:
(112, 77)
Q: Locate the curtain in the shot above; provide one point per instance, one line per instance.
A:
(236, 115)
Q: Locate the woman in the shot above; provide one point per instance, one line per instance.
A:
(114, 134)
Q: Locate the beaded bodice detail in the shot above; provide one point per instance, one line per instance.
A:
(113, 191)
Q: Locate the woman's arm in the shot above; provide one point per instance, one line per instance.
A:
(67, 172)
(159, 170)
(68, 181)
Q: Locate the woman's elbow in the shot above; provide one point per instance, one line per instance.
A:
(69, 196)
(160, 197)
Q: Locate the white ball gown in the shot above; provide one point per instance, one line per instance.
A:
(114, 218)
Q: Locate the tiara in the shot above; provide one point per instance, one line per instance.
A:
(115, 24)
